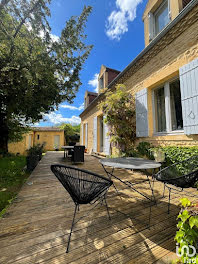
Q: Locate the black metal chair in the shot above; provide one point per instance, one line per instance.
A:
(78, 154)
(70, 152)
(84, 187)
(179, 176)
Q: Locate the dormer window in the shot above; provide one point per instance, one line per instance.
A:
(101, 82)
(159, 19)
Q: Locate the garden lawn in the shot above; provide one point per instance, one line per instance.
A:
(12, 177)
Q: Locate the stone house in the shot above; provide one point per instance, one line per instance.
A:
(163, 78)
(52, 137)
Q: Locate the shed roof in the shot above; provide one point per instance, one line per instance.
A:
(57, 129)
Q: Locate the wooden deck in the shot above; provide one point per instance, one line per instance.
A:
(36, 225)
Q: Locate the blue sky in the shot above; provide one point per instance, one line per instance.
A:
(116, 30)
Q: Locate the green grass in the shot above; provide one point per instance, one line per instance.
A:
(12, 176)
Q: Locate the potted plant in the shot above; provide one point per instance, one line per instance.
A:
(158, 154)
(34, 154)
(56, 147)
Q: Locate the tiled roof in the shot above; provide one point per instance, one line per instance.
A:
(47, 129)
(110, 69)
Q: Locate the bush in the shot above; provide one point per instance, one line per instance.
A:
(33, 157)
(119, 109)
(144, 149)
(36, 150)
(132, 153)
(175, 154)
(187, 235)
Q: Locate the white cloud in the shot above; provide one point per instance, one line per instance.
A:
(58, 119)
(41, 33)
(72, 107)
(54, 37)
(94, 82)
(35, 124)
(117, 22)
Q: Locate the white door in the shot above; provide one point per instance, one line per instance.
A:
(57, 142)
(106, 140)
(29, 141)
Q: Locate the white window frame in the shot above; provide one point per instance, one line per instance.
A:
(169, 130)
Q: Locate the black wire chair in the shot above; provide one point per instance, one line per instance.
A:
(84, 187)
(179, 176)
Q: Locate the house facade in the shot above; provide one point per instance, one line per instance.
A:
(163, 78)
(51, 137)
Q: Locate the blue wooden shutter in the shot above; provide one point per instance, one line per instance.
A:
(86, 135)
(95, 134)
(82, 134)
(189, 96)
(106, 139)
(141, 113)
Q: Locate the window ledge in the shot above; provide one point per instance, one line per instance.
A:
(172, 133)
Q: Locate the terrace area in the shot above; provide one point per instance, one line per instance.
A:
(36, 226)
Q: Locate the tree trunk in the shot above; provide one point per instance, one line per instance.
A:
(3, 134)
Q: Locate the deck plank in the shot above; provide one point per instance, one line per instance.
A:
(35, 227)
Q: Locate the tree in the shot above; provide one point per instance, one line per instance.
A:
(119, 109)
(72, 133)
(37, 72)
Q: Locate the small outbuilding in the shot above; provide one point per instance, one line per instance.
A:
(52, 138)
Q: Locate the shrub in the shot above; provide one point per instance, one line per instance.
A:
(144, 149)
(175, 154)
(187, 235)
(119, 109)
(132, 153)
(36, 150)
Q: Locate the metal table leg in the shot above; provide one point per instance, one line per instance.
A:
(129, 184)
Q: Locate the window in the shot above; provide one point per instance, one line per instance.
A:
(38, 136)
(175, 106)
(161, 17)
(101, 83)
(168, 107)
(160, 110)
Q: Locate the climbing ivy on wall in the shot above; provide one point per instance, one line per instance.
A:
(119, 109)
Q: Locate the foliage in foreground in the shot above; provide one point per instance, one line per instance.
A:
(187, 235)
(37, 70)
(12, 176)
(119, 109)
